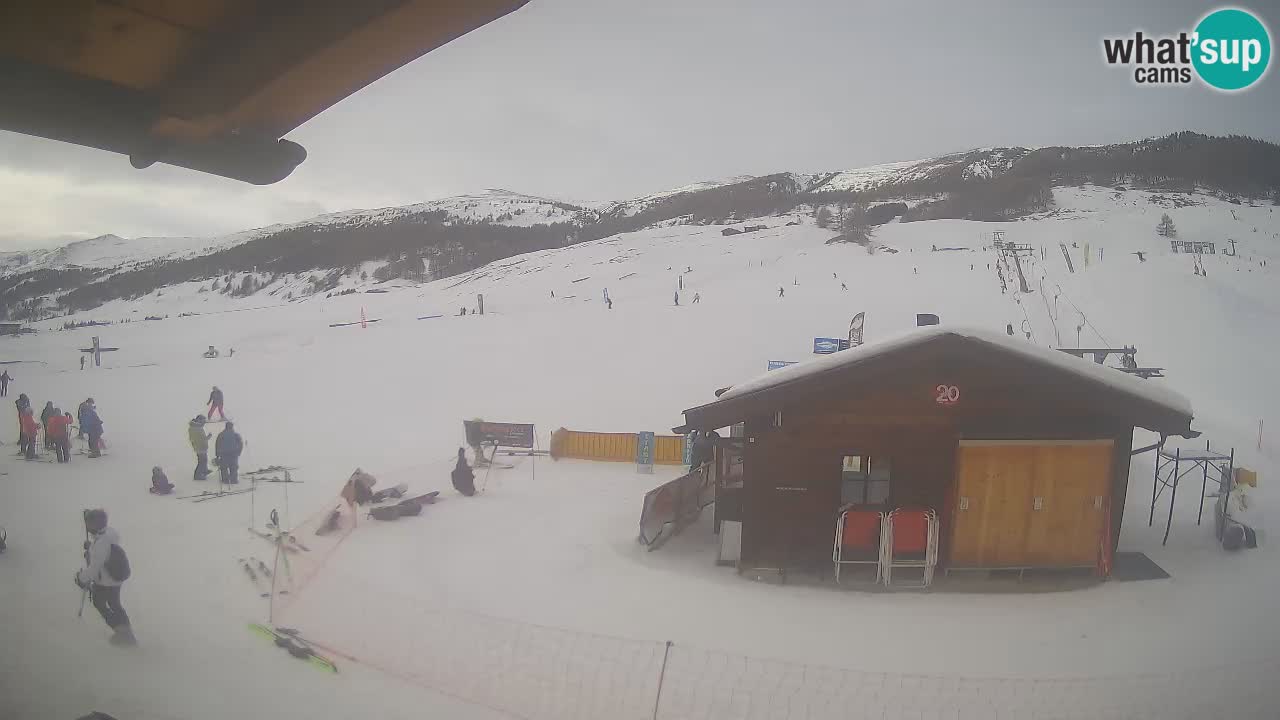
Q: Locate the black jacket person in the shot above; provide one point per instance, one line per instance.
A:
(227, 449)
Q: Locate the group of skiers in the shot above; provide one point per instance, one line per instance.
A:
(56, 426)
(226, 448)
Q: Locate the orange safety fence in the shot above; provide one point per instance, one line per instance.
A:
(613, 447)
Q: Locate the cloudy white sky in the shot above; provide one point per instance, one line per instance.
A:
(609, 99)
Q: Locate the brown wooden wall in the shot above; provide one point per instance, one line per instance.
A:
(792, 473)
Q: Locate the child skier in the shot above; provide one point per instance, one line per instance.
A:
(160, 484)
(215, 403)
(27, 428)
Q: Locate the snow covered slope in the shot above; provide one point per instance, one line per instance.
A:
(973, 164)
(532, 600)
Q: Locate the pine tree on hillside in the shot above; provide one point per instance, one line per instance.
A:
(822, 216)
(1166, 228)
(856, 223)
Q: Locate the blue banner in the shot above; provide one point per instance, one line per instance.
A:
(826, 346)
(645, 443)
(775, 364)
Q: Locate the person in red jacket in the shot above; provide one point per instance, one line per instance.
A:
(28, 426)
(58, 432)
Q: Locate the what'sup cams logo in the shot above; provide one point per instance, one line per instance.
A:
(1228, 50)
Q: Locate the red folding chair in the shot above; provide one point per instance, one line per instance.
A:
(859, 540)
(911, 541)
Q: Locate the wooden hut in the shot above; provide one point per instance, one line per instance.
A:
(1022, 452)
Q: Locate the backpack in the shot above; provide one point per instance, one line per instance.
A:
(117, 565)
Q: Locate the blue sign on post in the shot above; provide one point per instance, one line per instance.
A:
(826, 346)
(775, 364)
(645, 443)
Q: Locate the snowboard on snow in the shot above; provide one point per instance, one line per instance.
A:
(405, 508)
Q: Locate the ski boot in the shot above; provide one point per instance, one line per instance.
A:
(123, 636)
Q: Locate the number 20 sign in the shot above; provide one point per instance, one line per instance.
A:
(946, 395)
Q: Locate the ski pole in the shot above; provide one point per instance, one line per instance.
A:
(84, 592)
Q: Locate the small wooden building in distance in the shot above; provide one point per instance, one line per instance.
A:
(1023, 452)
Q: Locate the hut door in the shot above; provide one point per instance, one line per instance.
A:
(1030, 504)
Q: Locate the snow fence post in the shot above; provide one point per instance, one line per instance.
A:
(657, 700)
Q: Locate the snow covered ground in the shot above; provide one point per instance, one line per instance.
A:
(532, 600)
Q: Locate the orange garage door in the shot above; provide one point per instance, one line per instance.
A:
(1030, 503)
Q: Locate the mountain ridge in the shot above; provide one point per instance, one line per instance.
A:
(447, 236)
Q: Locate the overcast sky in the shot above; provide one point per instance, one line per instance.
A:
(609, 99)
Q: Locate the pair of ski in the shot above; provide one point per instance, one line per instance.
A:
(287, 541)
(210, 495)
(292, 641)
(248, 564)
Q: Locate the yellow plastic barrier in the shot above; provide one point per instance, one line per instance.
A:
(613, 447)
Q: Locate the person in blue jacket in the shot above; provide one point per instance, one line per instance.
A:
(226, 453)
(91, 424)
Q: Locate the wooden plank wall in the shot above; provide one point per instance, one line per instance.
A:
(614, 447)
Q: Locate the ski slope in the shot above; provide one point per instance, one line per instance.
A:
(443, 608)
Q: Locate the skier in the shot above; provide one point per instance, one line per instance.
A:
(781, 292)
(92, 424)
(463, 478)
(608, 302)
(58, 432)
(160, 484)
(45, 414)
(106, 568)
(215, 403)
(553, 293)
(677, 298)
(22, 403)
(697, 298)
(843, 286)
(27, 428)
(227, 449)
(4, 383)
(82, 362)
(80, 417)
(199, 440)
(1008, 328)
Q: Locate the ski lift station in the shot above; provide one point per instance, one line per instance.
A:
(942, 450)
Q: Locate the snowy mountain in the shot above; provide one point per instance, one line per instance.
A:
(449, 236)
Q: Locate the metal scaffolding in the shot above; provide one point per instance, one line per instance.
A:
(1172, 466)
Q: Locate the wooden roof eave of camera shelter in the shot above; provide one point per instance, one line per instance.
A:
(1062, 382)
(210, 85)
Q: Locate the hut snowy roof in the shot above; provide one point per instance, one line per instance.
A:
(1146, 403)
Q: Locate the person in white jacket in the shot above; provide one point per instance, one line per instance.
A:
(106, 568)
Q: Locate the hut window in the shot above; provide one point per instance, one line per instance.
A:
(865, 480)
